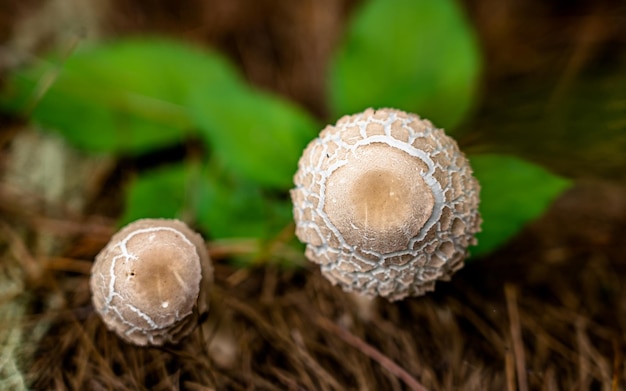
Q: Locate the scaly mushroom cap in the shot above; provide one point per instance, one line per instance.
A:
(386, 204)
(149, 282)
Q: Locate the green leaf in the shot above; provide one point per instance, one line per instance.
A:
(234, 208)
(224, 206)
(513, 193)
(415, 55)
(162, 193)
(135, 95)
(256, 135)
(127, 96)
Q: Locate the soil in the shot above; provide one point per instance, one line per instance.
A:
(545, 312)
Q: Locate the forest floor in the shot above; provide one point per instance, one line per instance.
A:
(545, 312)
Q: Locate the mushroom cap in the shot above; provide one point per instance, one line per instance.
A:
(386, 204)
(149, 282)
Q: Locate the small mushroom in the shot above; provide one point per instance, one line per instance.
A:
(150, 281)
(386, 204)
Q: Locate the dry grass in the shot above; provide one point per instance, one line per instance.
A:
(506, 323)
(544, 313)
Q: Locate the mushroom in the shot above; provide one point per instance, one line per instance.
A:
(150, 281)
(386, 204)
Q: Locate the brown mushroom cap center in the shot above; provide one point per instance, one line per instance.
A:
(163, 280)
(379, 200)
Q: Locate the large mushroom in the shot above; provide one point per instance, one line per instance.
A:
(386, 204)
(149, 283)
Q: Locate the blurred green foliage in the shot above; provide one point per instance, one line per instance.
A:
(129, 96)
(513, 192)
(415, 55)
(137, 95)
(258, 136)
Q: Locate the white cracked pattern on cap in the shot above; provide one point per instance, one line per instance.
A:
(386, 204)
(148, 284)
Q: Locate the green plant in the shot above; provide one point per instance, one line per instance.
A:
(137, 95)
